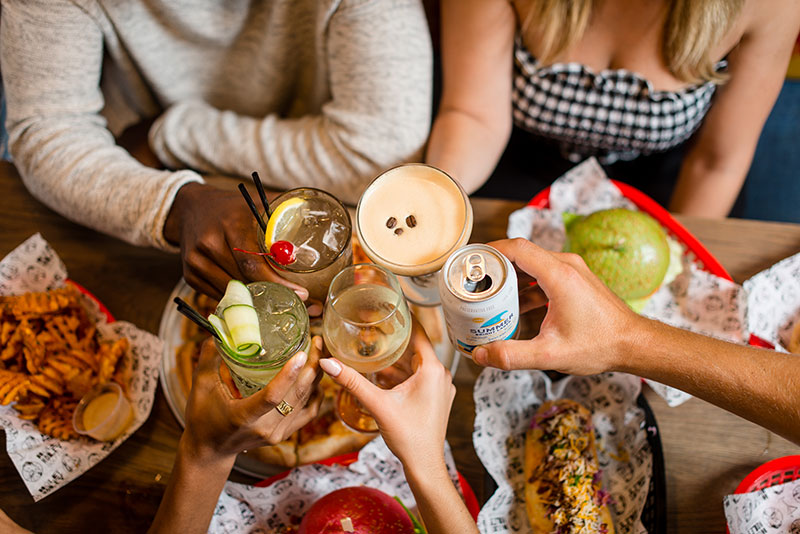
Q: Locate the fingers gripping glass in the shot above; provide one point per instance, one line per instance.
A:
(366, 325)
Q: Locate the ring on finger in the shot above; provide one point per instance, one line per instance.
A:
(284, 408)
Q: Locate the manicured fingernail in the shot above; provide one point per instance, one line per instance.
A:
(479, 355)
(314, 310)
(318, 342)
(302, 293)
(330, 366)
(300, 360)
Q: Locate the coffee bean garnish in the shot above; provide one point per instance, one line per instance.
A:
(398, 231)
(411, 221)
(391, 222)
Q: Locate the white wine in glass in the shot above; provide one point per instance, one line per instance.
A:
(366, 325)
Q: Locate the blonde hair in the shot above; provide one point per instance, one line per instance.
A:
(691, 30)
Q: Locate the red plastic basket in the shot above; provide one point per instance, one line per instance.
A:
(772, 473)
(103, 309)
(346, 459)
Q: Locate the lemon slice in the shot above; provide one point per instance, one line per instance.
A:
(282, 217)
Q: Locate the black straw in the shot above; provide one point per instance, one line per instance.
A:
(195, 316)
(260, 188)
(253, 208)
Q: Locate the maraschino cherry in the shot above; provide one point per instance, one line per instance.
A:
(282, 252)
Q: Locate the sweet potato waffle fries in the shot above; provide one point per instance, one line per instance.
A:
(50, 356)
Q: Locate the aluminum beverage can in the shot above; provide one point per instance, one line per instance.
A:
(479, 297)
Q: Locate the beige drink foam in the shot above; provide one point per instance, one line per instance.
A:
(439, 213)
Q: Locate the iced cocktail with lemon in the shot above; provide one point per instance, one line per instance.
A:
(308, 238)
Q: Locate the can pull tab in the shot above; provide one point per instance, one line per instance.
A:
(475, 267)
(476, 280)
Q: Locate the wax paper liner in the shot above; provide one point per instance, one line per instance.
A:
(505, 402)
(771, 510)
(696, 300)
(250, 509)
(773, 302)
(46, 463)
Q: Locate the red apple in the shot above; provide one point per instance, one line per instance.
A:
(356, 510)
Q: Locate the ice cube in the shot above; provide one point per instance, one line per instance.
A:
(284, 329)
(314, 218)
(335, 236)
(306, 256)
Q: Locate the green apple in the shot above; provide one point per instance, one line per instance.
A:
(626, 249)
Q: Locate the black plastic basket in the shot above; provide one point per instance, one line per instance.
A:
(654, 514)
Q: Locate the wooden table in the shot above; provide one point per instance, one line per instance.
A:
(707, 451)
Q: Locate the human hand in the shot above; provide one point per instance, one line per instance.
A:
(412, 416)
(586, 325)
(208, 223)
(222, 426)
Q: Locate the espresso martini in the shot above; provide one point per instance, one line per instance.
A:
(409, 220)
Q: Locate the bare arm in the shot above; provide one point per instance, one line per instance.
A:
(380, 70)
(759, 385)
(439, 503)
(8, 525)
(412, 418)
(193, 490)
(473, 124)
(715, 168)
(588, 330)
(218, 427)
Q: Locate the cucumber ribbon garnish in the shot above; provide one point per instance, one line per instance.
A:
(238, 328)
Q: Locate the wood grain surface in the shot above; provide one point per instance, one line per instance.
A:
(707, 450)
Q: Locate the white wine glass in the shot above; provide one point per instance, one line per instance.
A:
(366, 325)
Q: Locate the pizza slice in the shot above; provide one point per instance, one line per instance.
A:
(284, 453)
(326, 436)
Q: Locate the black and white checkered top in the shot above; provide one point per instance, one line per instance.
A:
(612, 115)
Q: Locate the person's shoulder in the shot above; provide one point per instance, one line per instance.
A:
(758, 15)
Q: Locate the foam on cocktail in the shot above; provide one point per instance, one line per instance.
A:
(411, 217)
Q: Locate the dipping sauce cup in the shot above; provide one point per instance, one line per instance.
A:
(103, 413)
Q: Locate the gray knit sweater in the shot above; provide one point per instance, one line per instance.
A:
(322, 93)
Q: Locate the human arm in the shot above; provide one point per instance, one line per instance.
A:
(715, 168)
(589, 330)
(412, 418)
(8, 525)
(218, 427)
(473, 124)
(51, 54)
(379, 63)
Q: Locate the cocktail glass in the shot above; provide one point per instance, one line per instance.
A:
(319, 228)
(284, 326)
(366, 325)
(409, 220)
